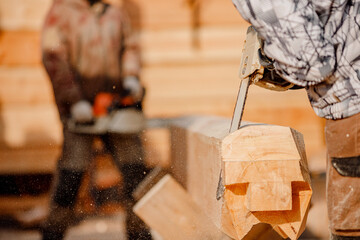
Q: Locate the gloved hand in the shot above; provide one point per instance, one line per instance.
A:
(270, 79)
(82, 112)
(134, 87)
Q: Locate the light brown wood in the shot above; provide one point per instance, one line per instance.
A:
(270, 164)
(219, 12)
(28, 85)
(13, 204)
(27, 125)
(20, 48)
(169, 210)
(25, 15)
(22, 14)
(263, 170)
(151, 179)
(28, 161)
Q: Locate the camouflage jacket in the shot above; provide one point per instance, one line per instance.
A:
(86, 50)
(315, 44)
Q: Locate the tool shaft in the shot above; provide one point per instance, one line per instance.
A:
(239, 106)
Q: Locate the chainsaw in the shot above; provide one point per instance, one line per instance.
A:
(112, 114)
(255, 68)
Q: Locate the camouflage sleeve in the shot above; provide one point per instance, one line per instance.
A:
(294, 37)
(131, 63)
(56, 62)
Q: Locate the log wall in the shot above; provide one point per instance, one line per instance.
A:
(180, 78)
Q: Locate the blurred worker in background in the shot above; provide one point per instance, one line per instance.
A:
(93, 61)
(316, 45)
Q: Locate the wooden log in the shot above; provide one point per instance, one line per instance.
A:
(29, 161)
(25, 15)
(170, 211)
(27, 125)
(14, 204)
(25, 85)
(225, 13)
(264, 175)
(22, 14)
(20, 48)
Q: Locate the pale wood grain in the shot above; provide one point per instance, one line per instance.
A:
(169, 209)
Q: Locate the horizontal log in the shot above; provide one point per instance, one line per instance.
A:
(20, 48)
(255, 175)
(29, 125)
(25, 15)
(29, 161)
(169, 46)
(218, 12)
(10, 205)
(25, 85)
(22, 14)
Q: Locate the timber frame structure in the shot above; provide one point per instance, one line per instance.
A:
(251, 184)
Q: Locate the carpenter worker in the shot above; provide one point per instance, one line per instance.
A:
(89, 50)
(316, 45)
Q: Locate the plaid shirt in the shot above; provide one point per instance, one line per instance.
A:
(86, 50)
(315, 44)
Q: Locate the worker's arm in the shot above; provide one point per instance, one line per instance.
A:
(294, 38)
(57, 64)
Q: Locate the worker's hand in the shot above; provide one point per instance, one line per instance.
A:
(270, 79)
(134, 87)
(82, 112)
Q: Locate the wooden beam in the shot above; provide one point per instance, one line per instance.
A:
(25, 85)
(264, 174)
(27, 125)
(20, 48)
(22, 14)
(14, 204)
(170, 211)
(29, 161)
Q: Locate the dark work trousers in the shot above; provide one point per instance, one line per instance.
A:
(76, 157)
(343, 177)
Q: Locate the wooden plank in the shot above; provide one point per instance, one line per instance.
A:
(14, 204)
(156, 15)
(20, 48)
(170, 211)
(22, 14)
(171, 46)
(28, 161)
(29, 125)
(249, 160)
(151, 179)
(190, 89)
(225, 12)
(25, 85)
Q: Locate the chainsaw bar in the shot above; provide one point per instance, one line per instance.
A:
(249, 71)
(239, 106)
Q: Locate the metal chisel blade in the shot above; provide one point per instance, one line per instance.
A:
(239, 106)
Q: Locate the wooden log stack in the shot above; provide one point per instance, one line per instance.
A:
(249, 184)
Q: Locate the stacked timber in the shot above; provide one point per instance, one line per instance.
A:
(245, 185)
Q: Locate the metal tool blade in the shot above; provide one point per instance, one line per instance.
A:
(249, 69)
(239, 106)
